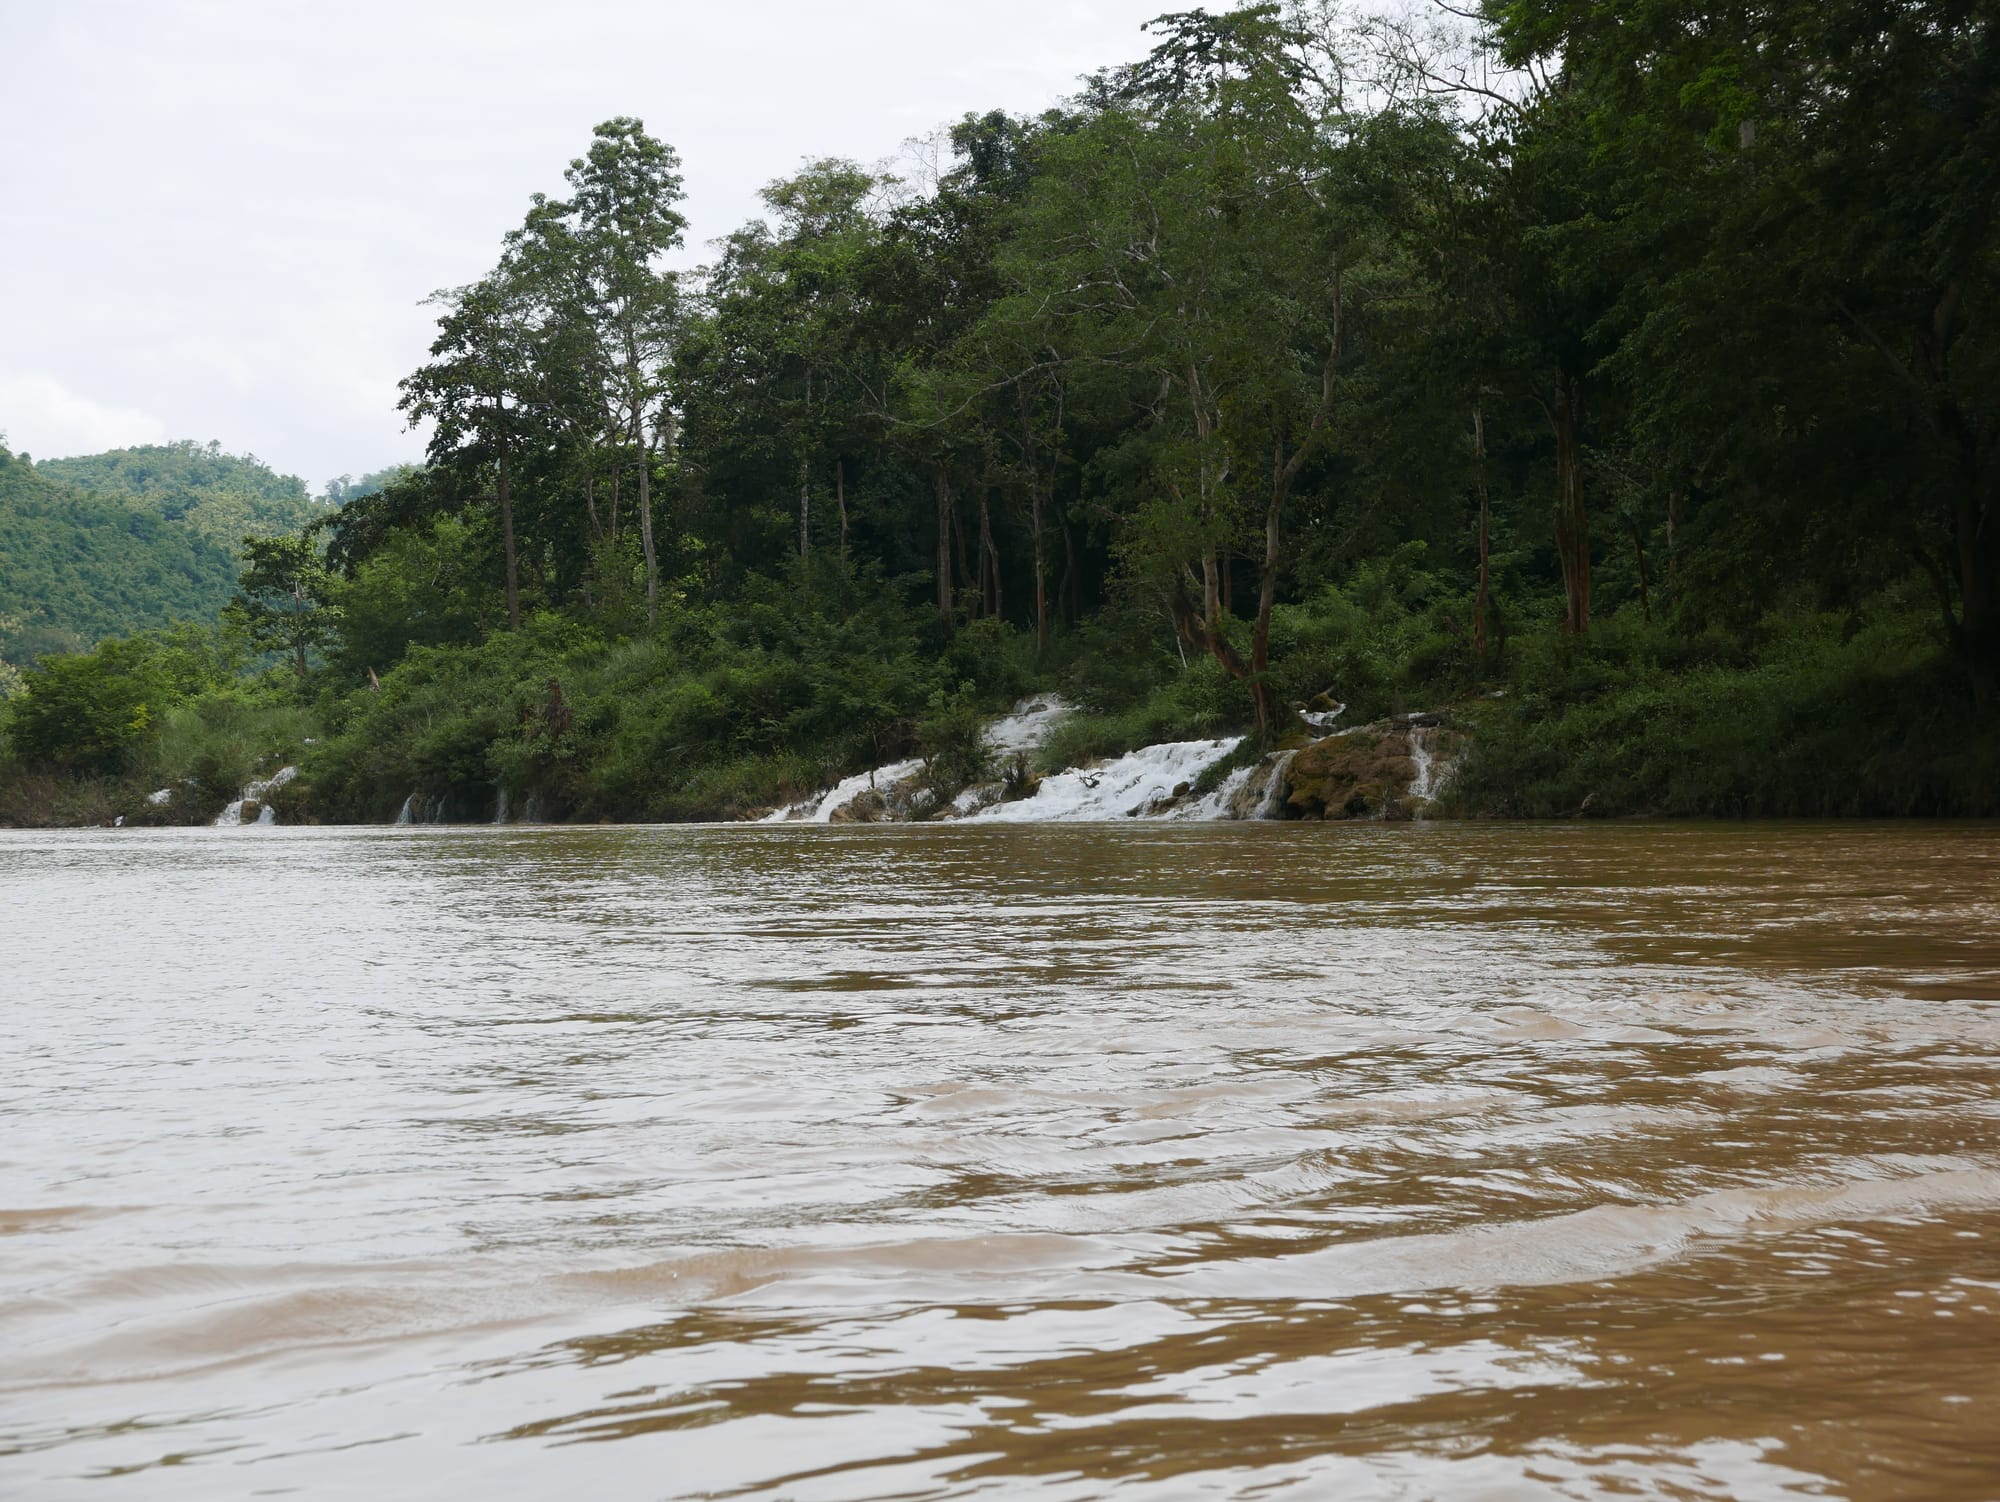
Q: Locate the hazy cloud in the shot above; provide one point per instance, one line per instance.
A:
(218, 217)
(41, 416)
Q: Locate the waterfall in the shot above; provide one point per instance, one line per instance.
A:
(422, 808)
(821, 808)
(256, 792)
(500, 813)
(1273, 806)
(1138, 785)
(1223, 803)
(1421, 787)
(1027, 726)
(532, 811)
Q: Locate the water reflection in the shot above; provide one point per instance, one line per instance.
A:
(1177, 1161)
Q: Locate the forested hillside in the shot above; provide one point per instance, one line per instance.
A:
(129, 540)
(1623, 381)
(222, 496)
(77, 566)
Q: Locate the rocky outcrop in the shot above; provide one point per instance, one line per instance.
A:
(1392, 769)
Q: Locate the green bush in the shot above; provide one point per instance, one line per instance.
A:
(94, 712)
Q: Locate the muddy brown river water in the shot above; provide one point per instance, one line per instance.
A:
(1193, 1161)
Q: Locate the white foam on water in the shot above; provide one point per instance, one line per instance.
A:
(1221, 804)
(820, 810)
(1130, 786)
(1027, 726)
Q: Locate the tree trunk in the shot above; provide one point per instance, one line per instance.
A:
(1200, 627)
(1267, 592)
(1482, 604)
(840, 500)
(805, 472)
(1572, 520)
(1041, 571)
(1975, 526)
(507, 535)
(805, 509)
(941, 484)
(1066, 592)
(989, 555)
(967, 585)
(1639, 556)
(646, 534)
(1675, 500)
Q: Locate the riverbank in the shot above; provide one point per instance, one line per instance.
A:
(1814, 716)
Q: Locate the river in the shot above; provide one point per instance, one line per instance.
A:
(1164, 1161)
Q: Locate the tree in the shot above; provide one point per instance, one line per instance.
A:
(470, 392)
(1197, 235)
(608, 311)
(1811, 190)
(89, 712)
(283, 599)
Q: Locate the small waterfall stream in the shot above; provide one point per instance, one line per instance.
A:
(1420, 757)
(1273, 806)
(255, 792)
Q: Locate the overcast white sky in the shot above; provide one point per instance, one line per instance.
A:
(218, 217)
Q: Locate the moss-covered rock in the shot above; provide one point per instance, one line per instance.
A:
(1369, 772)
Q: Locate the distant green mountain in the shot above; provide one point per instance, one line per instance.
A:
(136, 538)
(219, 495)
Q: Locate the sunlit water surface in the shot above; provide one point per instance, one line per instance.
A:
(1158, 1162)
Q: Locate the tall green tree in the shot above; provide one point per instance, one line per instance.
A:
(283, 600)
(595, 261)
(1808, 196)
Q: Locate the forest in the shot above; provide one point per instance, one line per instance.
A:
(1621, 382)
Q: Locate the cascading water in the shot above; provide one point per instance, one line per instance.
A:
(1273, 806)
(1138, 785)
(820, 810)
(1225, 802)
(500, 812)
(1152, 782)
(255, 792)
(421, 808)
(1022, 730)
(1420, 757)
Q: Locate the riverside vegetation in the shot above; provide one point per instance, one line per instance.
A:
(1622, 383)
